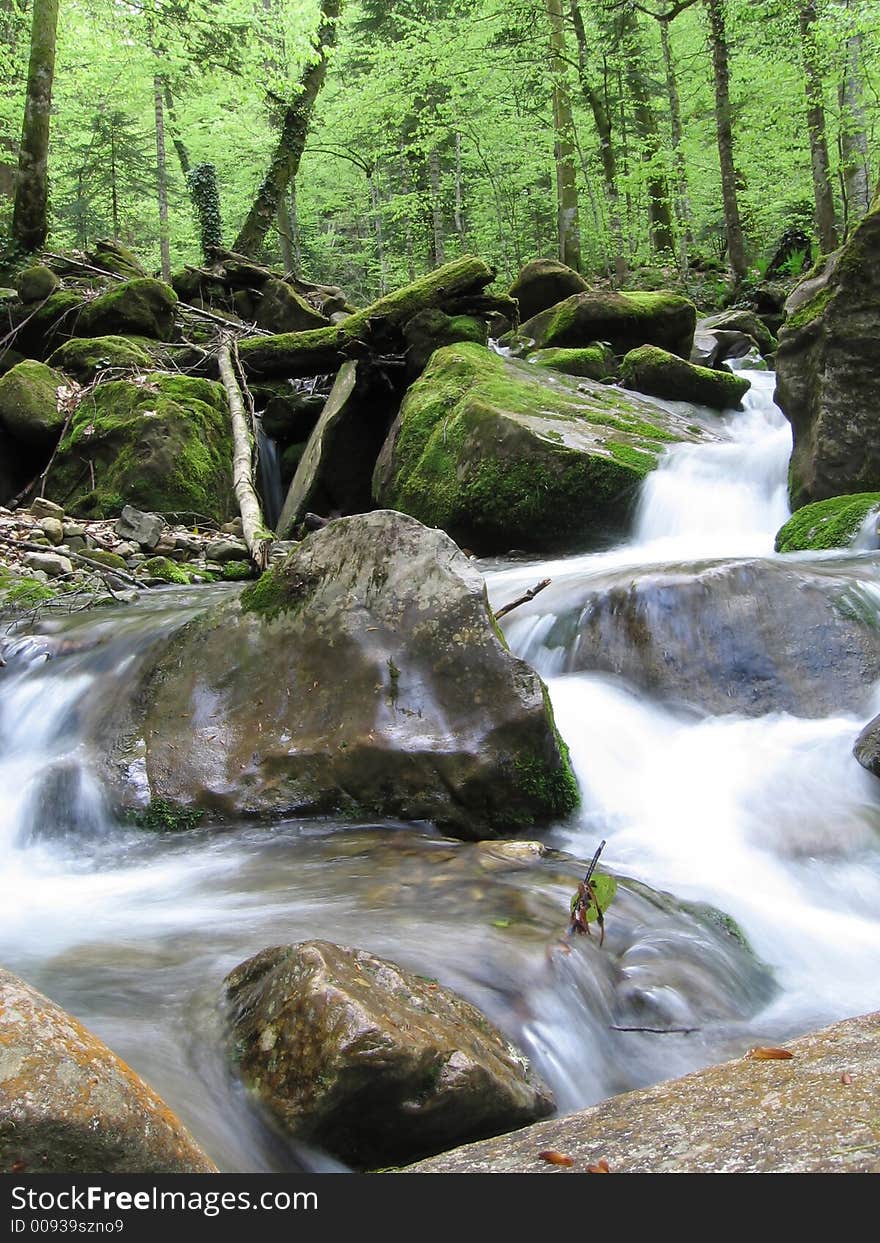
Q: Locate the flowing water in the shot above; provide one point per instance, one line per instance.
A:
(766, 818)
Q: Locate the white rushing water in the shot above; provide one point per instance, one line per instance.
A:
(769, 819)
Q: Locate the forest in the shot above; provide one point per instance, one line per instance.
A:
(624, 135)
(439, 597)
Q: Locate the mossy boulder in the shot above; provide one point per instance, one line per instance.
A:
(29, 405)
(142, 307)
(744, 321)
(624, 320)
(112, 256)
(368, 680)
(84, 357)
(828, 371)
(279, 308)
(52, 323)
(163, 445)
(504, 455)
(290, 415)
(833, 523)
(430, 330)
(371, 1062)
(543, 283)
(661, 374)
(591, 362)
(36, 283)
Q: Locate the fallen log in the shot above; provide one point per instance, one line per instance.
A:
(375, 329)
(256, 535)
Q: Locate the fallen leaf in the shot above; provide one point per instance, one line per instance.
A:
(601, 1167)
(769, 1055)
(555, 1158)
(846, 1078)
(18, 1167)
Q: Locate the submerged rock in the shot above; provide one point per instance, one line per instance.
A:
(161, 445)
(69, 1105)
(624, 320)
(828, 371)
(661, 374)
(866, 747)
(833, 523)
(813, 1113)
(368, 680)
(743, 321)
(370, 1062)
(505, 455)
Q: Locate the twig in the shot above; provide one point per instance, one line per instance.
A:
(73, 556)
(530, 595)
(657, 1031)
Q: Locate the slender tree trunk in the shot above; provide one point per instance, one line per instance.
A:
(638, 82)
(285, 160)
(295, 238)
(721, 72)
(29, 213)
(285, 236)
(854, 161)
(607, 155)
(568, 223)
(439, 249)
(826, 224)
(162, 179)
(460, 228)
(682, 195)
(376, 212)
(114, 194)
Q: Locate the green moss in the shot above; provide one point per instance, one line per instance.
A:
(832, 523)
(22, 592)
(111, 560)
(594, 362)
(84, 357)
(143, 306)
(163, 816)
(655, 371)
(169, 571)
(279, 590)
(810, 311)
(29, 404)
(635, 458)
(237, 572)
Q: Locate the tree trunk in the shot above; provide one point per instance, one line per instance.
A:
(256, 536)
(459, 195)
(723, 125)
(114, 194)
(29, 213)
(854, 161)
(162, 180)
(682, 196)
(285, 236)
(826, 224)
(607, 156)
(439, 250)
(286, 158)
(659, 207)
(568, 224)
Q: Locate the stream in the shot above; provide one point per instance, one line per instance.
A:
(765, 817)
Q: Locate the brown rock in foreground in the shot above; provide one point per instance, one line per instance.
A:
(67, 1104)
(815, 1113)
(371, 1062)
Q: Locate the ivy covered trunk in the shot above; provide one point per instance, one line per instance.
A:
(286, 158)
(29, 225)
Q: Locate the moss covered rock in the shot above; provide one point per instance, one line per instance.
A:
(504, 455)
(432, 329)
(744, 321)
(661, 374)
(36, 283)
(369, 680)
(279, 308)
(828, 371)
(29, 405)
(143, 307)
(542, 284)
(370, 1062)
(832, 523)
(163, 446)
(112, 256)
(592, 362)
(624, 320)
(52, 323)
(84, 357)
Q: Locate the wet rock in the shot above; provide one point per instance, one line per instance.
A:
(291, 415)
(53, 564)
(69, 1105)
(431, 330)
(544, 283)
(372, 1063)
(661, 374)
(624, 320)
(712, 348)
(814, 1113)
(745, 322)
(41, 507)
(226, 550)
(505, 455)
(828, 371)
(279, 308)
(593, 362)
(29, 410)
(368, 679)
(143, 529)
(866, 748)
(143, 308)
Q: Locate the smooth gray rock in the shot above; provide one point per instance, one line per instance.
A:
(142, 528)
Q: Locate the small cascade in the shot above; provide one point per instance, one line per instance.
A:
(269, 463)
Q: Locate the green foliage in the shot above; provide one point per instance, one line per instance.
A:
(202, 183)
(163, 816)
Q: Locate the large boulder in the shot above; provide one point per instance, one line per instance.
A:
(370, 1062)
(661, 374)
(591, 362)
(85, 357)
(745, 321)
(504, 455)
(36, 283)
(368, 680)
(542, 283)
(279, 308)
(624, 320)
(161, 445)
(833, 523)
(813, 1112)
(828, 371)
(432, 329)
(69, 1105)
(335, 472)
(30, 411)
(143, 307)
(750, 637)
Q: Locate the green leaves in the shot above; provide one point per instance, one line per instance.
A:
(590, 902)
